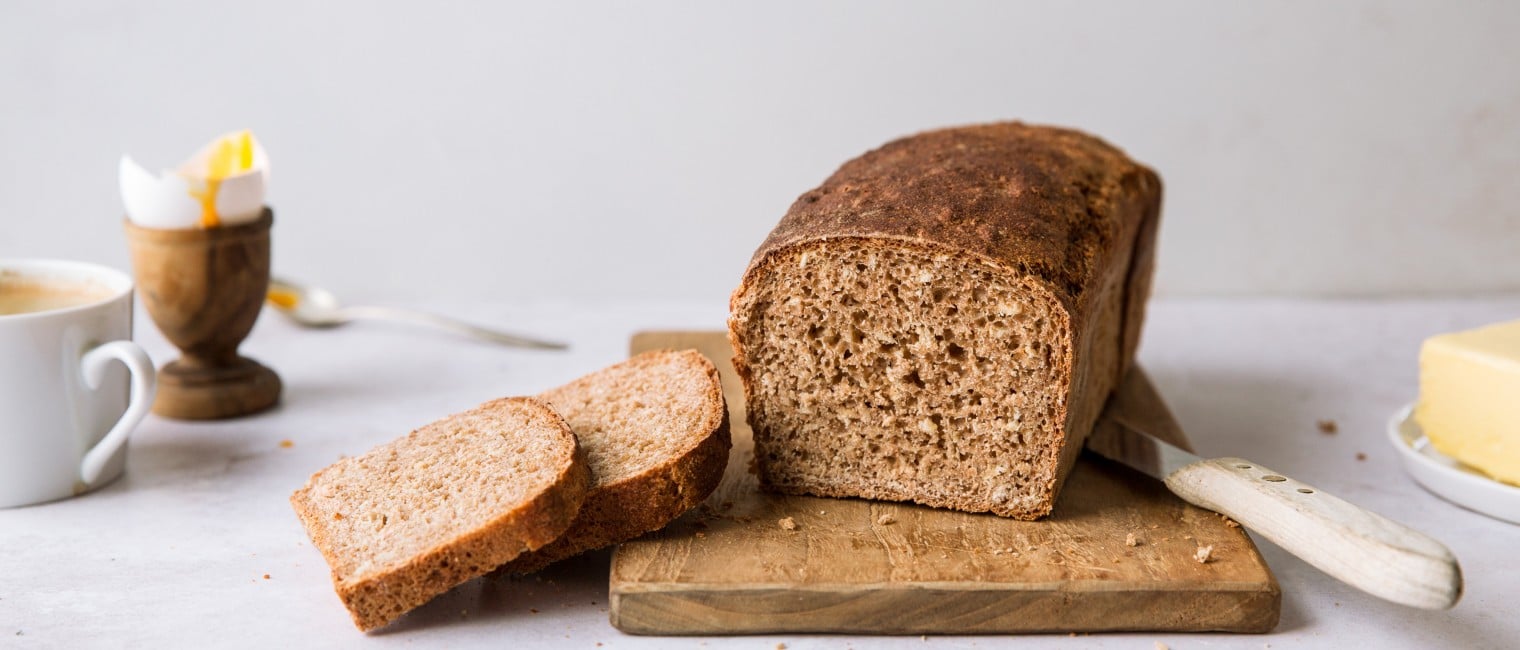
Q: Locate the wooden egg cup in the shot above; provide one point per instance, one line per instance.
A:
(204, 288)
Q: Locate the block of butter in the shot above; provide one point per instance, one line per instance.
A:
(1469, 404)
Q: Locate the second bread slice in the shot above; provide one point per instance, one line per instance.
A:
(415, 517)
(655, 432)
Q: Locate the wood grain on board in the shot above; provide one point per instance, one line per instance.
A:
(869, 567)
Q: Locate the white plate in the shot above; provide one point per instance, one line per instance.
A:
(1448, 478)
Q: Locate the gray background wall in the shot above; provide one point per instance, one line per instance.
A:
(642, 150)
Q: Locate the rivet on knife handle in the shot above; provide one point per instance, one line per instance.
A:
(1366, 550)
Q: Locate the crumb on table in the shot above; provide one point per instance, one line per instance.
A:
(1161, 646)
(1129, 540)
(1327, 427)
(886, 519)
(1204, 554)
(1361, 456)
(787, 523)
(287, 443)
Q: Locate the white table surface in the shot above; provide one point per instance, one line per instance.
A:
(175, 553)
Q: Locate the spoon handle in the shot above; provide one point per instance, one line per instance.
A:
(450, 324)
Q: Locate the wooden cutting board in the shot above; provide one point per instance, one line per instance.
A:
(868, 567)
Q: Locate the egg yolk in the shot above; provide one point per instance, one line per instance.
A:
(284, 299)
(232, 155)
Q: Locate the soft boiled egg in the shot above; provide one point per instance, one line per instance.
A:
(222, 184)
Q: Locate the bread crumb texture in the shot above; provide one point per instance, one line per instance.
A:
(787, 523)
(951, 394)
(637, 415)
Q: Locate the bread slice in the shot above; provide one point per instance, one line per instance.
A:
(943, 319)
(655, 432)
(453, 500)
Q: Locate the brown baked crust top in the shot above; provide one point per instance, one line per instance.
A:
(1038, 199)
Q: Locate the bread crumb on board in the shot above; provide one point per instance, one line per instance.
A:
(1162, 646)
(287, 443)
(886, 520)
(1129, 540)
(266, 576)
(1204, 554)
(780, 646)
(787, 523)
(1361, 456)
(1327, 427)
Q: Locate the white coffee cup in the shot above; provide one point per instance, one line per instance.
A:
(65, 408)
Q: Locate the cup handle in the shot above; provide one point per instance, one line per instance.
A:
(144, 385)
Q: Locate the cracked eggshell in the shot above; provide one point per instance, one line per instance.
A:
(171, 200)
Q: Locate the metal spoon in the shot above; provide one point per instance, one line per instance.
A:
(317, 307)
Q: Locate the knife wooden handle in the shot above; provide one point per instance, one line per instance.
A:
(1361, 548)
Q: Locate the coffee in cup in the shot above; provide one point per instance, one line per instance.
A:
(23, 294)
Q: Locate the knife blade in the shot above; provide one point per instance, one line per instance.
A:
(1356, 546)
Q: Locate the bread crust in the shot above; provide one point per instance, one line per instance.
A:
(1056, 207)
(625, 509)
(1045, 201)
(379, 598)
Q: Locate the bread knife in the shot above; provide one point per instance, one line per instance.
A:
(1361, 548)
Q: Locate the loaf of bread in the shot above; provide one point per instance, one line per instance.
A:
(453, 500)
(654, 430)
(943, 319)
